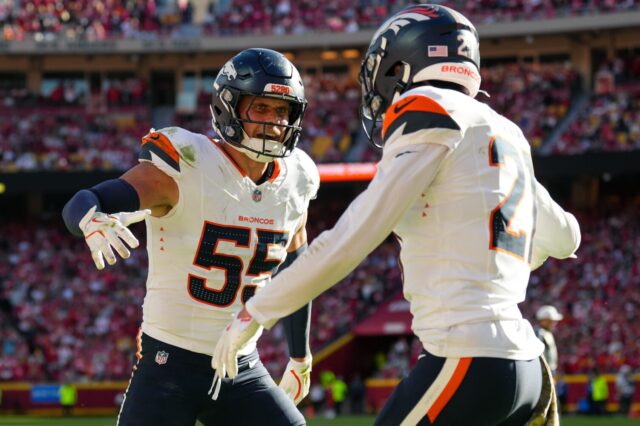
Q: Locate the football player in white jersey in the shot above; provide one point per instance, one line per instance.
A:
(221, 216)
(456, 184)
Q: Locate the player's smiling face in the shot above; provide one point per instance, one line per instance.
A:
(265, 110)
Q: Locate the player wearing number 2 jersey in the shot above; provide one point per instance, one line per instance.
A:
(456, 185)
(224, 216)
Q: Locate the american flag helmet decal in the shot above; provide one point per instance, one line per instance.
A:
(438, 51)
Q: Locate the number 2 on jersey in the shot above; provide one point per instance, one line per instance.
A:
(503, 237)
(207, 257)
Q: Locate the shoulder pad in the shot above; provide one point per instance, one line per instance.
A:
(426, 111)
(307, 172)
(169, 149)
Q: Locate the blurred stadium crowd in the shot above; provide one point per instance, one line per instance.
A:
(44, 20)
(36, 135)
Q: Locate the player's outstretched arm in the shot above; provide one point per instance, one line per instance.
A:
(557, 231)
(102, 213)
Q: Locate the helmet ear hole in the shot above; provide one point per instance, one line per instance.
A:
(217, 110)
(395, 70)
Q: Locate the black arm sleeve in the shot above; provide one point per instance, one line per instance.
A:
(296, 325)
(76, 208)
(111, 196)
(116, 195)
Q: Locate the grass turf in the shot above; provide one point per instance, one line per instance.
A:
(339, 421)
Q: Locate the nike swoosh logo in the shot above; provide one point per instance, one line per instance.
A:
(399, 108)
(94, 232)
(252, 363)
(97, 220)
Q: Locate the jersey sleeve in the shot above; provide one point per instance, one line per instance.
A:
(420, 117)
(159, 149)
(314, 181)
(362, 227)
(557, 231)
(310, 176)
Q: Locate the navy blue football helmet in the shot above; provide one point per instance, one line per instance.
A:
(257, 73)
(420, 44)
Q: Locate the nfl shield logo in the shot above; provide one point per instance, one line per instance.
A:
(257, 195)
(161, 357)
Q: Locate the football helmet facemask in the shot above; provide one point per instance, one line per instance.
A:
(419, 44)
(258, 73)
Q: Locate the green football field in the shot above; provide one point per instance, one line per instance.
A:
(339, 421)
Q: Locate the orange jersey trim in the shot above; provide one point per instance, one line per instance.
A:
(162, 142)
(276, 170)
(411, 103)
(226, 154)
(449, 389)
(139, 345)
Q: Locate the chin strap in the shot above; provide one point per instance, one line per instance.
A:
(252, 148)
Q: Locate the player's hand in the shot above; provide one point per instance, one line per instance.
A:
(296, 379)
(103, 231)
(234, 337)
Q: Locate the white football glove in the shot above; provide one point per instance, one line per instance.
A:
(296, 379)
(103, 231)
(225, 356)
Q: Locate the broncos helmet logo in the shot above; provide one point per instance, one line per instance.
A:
(229, 70)
(416, 13)
(423, 10)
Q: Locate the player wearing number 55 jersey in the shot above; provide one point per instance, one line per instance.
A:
(456, 184)
(223, 217)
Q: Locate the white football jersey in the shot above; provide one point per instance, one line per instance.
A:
(456, 184)
(466, 241)
(223, 239)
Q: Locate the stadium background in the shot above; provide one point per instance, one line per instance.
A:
(82, 81)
